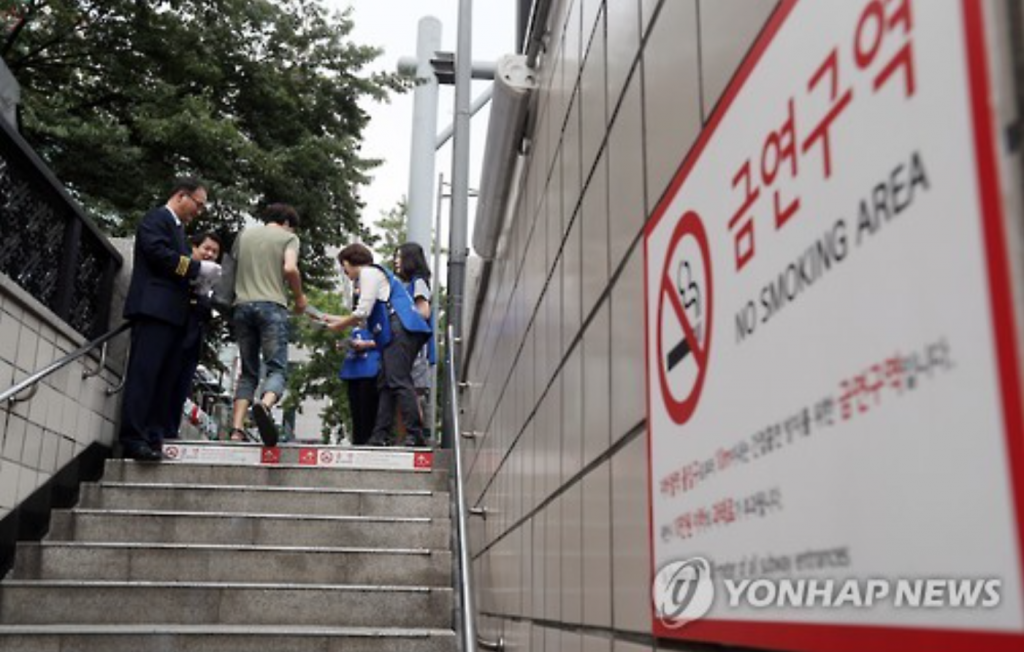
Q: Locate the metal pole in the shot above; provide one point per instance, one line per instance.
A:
(436, 302)
(424, 126)
(458, 247)
(481, 100)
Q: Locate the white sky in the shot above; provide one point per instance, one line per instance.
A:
(392, 25)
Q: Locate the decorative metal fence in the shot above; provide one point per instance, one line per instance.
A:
(48, 246)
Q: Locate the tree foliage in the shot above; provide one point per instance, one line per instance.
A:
(391, 231)
(260, 98)
(317, 377)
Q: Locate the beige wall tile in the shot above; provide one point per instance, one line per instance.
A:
(573, 46)
(590, 19)
(28, 480)
(593, 94)
(33, 446)
(553, 561)
(25, 356)
(647, 9)
(6, 374)
(48, 452)
(9, 472)
(594, 225)
(623, 44)
(572, 554)
(727, 30)
(539, 566)
(597, 550)
(631, 568)
(14, 437)
(555, 219)
(536, 638)
(10, 330)
(569, 642)
(627, 348)
(572, 284)
(597, 644)
(597, 385)
(671, 92)
(622, 646)
(626, 207)
(553, 295)
(572, 415)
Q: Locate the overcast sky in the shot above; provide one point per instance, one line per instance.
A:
(392, 25)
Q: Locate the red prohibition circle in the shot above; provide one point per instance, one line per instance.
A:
(680, 410)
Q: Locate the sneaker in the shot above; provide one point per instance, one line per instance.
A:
(265, 424)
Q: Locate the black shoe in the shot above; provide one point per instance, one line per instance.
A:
(265, 424)
(142, 453)
(413, 442)
(377, 442)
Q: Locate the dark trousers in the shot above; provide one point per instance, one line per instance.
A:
(362, 402)
(154, 367)
(395, 384)
(191, 347)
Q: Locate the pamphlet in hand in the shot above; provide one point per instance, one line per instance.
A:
(316, 315)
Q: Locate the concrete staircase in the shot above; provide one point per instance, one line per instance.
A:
(207, 557)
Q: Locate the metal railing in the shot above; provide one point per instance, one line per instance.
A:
(52, 249)
(470, 641)
(32, 382)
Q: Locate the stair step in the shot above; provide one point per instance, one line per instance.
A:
(230, 563)
(264, 500)
(274, 476)
(60, 602)
(225, 638)
(134, 526)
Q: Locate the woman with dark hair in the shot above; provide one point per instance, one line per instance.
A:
(205, 246)
(359, 371)
(411, 268)
(399, 331)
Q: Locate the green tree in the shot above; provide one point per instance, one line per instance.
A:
(317, 378)
(260, 98)
(390, 233)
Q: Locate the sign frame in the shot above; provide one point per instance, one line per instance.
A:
(815, 637)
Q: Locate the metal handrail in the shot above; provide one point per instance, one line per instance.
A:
(32, 381)
(470, 641)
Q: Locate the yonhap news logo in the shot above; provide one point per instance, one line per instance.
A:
(684, 591)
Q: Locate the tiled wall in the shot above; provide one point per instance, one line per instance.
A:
(563, 558)
(41, 435)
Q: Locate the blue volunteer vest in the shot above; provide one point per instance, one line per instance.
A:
(431, 346)
(360, 364)
(400, 304)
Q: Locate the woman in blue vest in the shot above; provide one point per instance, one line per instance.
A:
(399, 331)
(411, 267)
(359, 371)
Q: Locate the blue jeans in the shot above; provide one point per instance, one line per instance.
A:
(261, 327)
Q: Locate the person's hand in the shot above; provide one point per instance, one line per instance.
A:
(362, 345)
(334, 322)
(300, 304)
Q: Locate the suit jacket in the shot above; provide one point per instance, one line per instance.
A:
(163, 268)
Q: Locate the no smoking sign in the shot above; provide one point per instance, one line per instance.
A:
(683, 335)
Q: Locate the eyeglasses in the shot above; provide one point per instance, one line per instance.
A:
(200, 205)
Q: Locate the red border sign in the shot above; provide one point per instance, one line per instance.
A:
(858, 638)
(681, 410)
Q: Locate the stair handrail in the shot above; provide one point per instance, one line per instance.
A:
(470, 641)
(11, 394)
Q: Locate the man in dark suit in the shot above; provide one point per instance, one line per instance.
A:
(158, 307)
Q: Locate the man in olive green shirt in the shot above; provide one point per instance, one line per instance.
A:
(267, 260)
